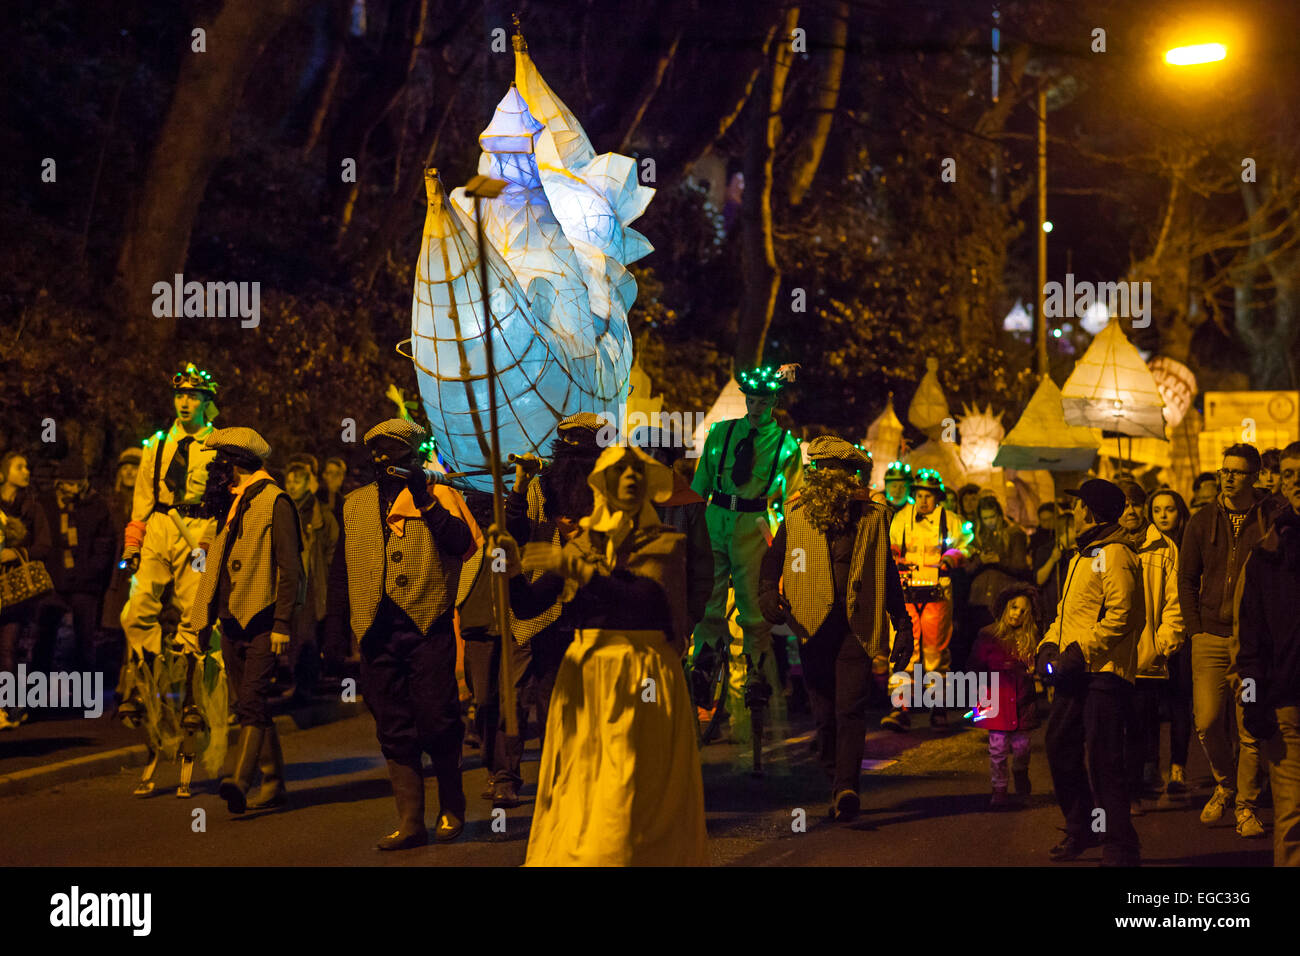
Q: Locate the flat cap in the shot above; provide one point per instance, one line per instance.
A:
(398, 429)
(830, 448)
(131, 455)
(588, 420)
(240, 440)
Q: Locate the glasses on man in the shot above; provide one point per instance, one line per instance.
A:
(1235, 473)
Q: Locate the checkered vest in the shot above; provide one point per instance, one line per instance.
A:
(810, 588)
(415, 575)
(249, 559)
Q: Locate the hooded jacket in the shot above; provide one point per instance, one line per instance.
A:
(1268, 615)
(1103, 604)
(1017, 708)
(1163, 633)
(1210, 559)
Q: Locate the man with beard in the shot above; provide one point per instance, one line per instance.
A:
(167, 533)
(543, 507)
(831, 558)
(251, 585)
(746, 469)
(394, 580)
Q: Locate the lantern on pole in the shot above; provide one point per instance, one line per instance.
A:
(1111, 388)
(1043, 439)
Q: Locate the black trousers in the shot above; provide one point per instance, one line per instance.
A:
(79, 609)
(1178, 698)
(249, 667)
(483, 676)
(304, 651)
(837, 673)
(1086, 755)
(409, 683)
(535, 667)
(1142, 739)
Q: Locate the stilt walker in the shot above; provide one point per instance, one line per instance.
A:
(745, 472)
(165, 549)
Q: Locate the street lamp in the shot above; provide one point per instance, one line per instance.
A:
(1196, 54)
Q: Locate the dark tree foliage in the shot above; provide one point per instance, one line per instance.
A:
(881, 260)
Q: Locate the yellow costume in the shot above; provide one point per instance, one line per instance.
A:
(619, 782)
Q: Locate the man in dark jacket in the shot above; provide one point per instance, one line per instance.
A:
(80, 564)
(394, 581)
(1268, 658)
(251, 584)
(1214, 547)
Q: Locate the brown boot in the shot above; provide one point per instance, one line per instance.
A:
(272, 793)
(408, 792)
(234, 790)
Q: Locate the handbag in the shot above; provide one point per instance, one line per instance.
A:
(23, 581)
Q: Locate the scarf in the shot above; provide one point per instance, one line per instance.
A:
(244, 484)
(607, 519)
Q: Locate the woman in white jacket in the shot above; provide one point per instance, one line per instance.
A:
(1162, 635)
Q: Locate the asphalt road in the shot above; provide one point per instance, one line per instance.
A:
(925, 803)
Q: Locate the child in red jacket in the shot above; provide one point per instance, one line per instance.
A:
(1005, 649)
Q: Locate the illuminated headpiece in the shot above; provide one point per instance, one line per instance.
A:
(929, 480)
(766, 379)
(898, 471)
(191, 376)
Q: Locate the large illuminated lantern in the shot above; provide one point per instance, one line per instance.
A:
(557, 244)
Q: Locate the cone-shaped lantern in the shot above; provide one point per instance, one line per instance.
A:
(1112, 388)
(1043, 439)
(730, 404)
(929, 408)
(884, 437)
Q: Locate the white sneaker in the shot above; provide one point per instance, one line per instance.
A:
(1248, 825)
(1218, 803)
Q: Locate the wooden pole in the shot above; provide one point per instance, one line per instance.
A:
(500, 591)
(1039, 317)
